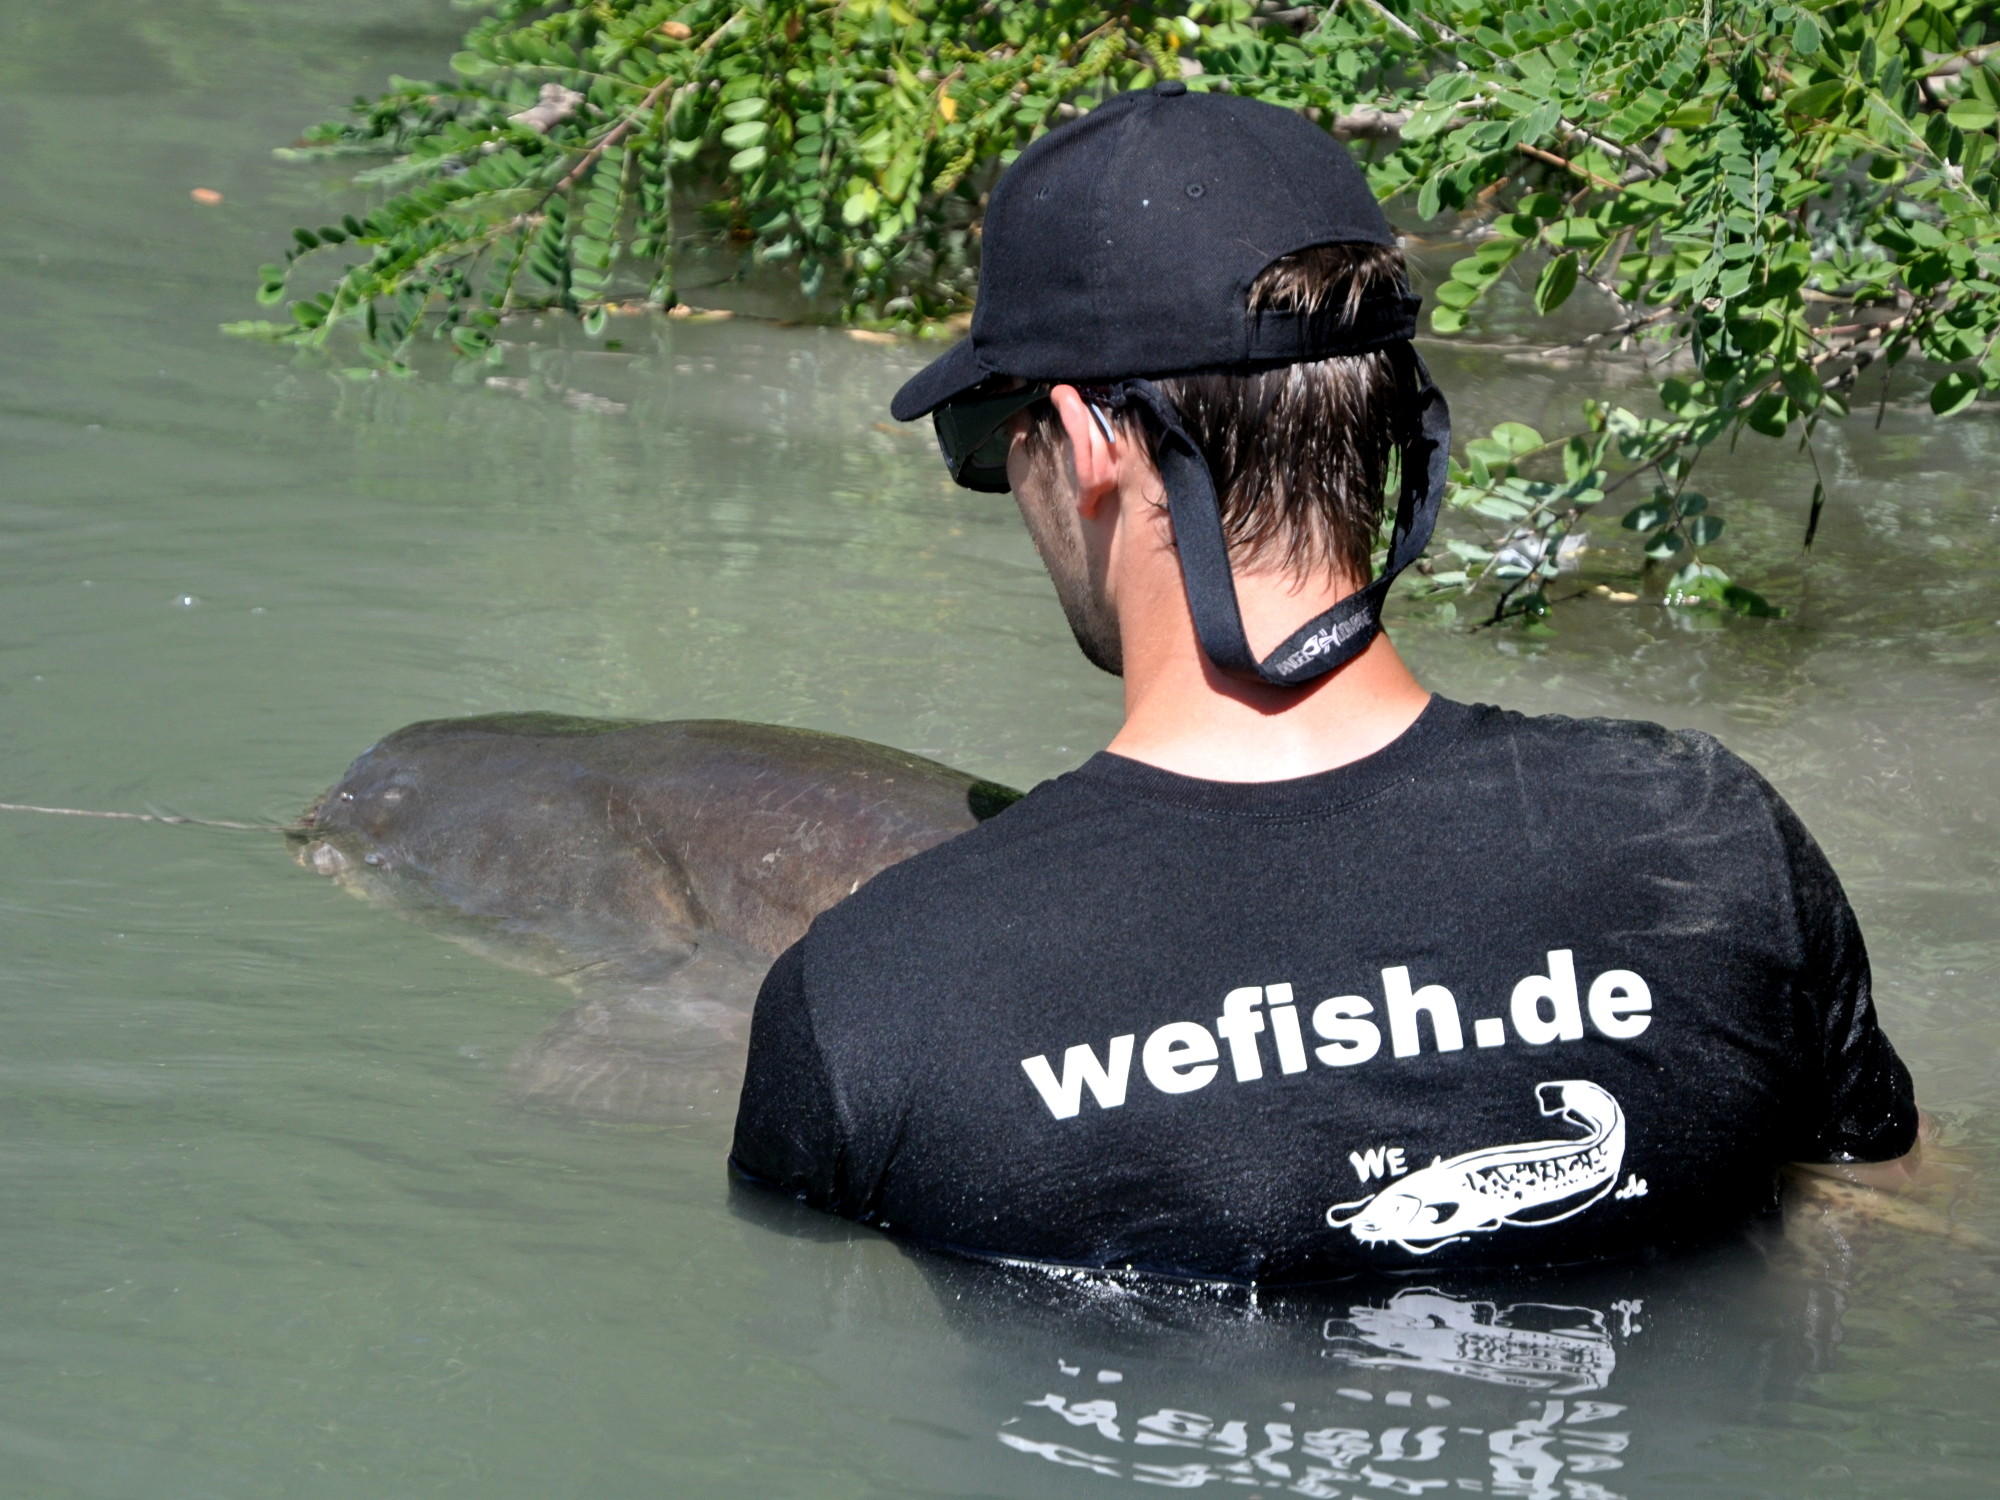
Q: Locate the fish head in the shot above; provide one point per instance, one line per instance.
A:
(1426, 1208)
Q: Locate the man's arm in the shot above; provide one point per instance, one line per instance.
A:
(788, 1132)
(1892, 1176)
(1861, 1123)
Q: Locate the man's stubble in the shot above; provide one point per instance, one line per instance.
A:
(1057, 532)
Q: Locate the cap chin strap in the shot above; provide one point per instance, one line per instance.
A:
(1330, 639)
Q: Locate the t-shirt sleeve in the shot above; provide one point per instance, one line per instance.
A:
(788, 1132)
(1858, 1103)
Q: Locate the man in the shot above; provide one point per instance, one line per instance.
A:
(1310, 970)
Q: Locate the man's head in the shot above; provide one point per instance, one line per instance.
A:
(1211, 278)
(1299, 453)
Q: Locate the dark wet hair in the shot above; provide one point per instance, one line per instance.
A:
(1300, 454)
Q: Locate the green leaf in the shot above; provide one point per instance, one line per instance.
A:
(1704, 529)
(1662, 545)
(1499, 508)
(1646, 517)
(1583, 233)
(1749, 602)
(748, 160)
(1954, 393)
(743, 109)
(860, 207)
(1579, 458)
(1972, 114)
(1771, 414)
(1517, 437)
(1816, 101)
(749, 133)
(1447, 320)
(1557, 281)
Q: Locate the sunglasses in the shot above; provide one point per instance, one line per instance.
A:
(973, 437)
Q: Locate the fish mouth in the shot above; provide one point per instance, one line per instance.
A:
(322, 858)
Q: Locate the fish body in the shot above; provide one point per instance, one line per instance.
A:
(1528, 1184)
(656, 869)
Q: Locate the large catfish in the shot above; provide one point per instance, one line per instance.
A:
(656, 869)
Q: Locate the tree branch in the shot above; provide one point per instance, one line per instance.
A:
(1568, 166)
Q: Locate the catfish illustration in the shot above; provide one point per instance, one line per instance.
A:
(1525, 1185)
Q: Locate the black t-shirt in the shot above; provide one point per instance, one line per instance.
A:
(1510, 990)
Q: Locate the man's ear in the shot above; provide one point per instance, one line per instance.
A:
(1095, 457)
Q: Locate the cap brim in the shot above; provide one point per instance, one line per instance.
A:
(950, 375)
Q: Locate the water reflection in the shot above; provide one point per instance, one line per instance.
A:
(1583, 1383)
(1535, 1346)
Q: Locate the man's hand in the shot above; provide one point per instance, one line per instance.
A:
(1895, 1176)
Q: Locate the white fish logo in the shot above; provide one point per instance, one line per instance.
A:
(1524, 1186)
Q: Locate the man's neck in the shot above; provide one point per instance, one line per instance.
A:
(1182, 715)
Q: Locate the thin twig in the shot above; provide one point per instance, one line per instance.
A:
(1952, 66)
(623, 128)
(1395, 20)
(1621, 331)
(616, 134)
(1568, 166)
(1630, 154)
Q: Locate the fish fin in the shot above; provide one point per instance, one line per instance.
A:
(1529, 1219)
(645, 1048)
(1426, 1249)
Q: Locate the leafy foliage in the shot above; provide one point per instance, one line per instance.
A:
(1781, 195)
(1773, 195)
(853, 140)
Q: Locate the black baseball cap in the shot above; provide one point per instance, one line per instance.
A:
(1122, 246)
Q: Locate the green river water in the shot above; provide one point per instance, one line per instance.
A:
(268, 1227)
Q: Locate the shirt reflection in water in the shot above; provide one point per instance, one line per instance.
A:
(1409, 1445)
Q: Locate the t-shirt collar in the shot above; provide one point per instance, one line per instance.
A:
(1441, 723)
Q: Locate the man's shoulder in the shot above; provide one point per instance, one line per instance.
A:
(1010, 845)
(1588, 776)
(1638, 754)
(1608, 739)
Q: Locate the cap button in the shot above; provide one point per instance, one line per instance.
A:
(1168, 88)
